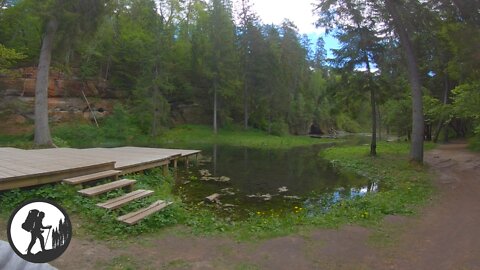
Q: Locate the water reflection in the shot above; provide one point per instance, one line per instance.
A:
(260, 180)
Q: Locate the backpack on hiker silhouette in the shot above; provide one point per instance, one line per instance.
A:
(30, 220)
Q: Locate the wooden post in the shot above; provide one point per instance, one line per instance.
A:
(186, 161)
(165, 170)
(175, 164)
(196, 159)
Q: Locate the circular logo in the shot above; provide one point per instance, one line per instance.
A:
(39, 231)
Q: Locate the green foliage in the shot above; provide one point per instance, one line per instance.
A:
(344, 122)
(18, 141)
(120, 128)
(279, 128)
(397, 115)
(436, 111)
(8, 57)
(467, 100)
(466, 104)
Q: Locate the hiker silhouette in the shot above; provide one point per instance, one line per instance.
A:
(34, 225)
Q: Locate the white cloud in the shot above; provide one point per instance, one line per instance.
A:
(297, 11)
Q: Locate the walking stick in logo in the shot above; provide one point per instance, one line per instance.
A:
(48, 234)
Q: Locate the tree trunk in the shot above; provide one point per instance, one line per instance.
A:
(445, 101)
(245, 103)
(215, 127)
(373, 144)
(416, 151)
(156, 92)
(42, 130)
(379, 121)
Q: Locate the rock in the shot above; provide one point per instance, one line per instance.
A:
(265, 197)
(214, 198)
(228, 191)
(12, 92)
(19, 119)
(223, 179)
(282, 189)
(204, 173)
(227, 205)
(291, 197)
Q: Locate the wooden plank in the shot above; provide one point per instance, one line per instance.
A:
(46, 178)
(67, 172)
(135, 217)
(142, 167)
(100, 189)
(122, 200)
(90, 177)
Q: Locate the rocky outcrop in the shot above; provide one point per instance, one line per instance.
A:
(65, 103)
(60, 85)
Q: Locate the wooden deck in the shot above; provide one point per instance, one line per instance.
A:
(23, 168)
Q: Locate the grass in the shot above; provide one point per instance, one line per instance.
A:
(97, 221)
(403, 187)
(23, 141)
(203, 135)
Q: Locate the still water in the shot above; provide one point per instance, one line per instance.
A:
(249, 180)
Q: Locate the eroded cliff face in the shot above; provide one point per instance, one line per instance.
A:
(66, 97)
(66, 102)
(60, 85)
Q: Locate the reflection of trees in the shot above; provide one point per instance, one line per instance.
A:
(265, 170)
(60, 234)
(215, 159)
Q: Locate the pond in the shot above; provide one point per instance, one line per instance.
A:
(252, 180)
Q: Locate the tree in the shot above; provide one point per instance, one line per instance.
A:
(66, 16)
(354, 22)
(247, 31)
(416, 150)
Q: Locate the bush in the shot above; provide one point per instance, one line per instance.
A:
(344, 122)
(279, 128)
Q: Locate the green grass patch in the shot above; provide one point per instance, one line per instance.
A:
(81, 135)
(403, 186)
(19, 141)
(203, 135)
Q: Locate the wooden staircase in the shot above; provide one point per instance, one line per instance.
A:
(116, 203)
(135, 217)
(123, 200)
(90, 177)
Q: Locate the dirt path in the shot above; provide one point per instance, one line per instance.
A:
(446, 235)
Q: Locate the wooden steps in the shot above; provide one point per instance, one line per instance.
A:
(96, 190)
(90, 177)
(134, 217)
(122, 200)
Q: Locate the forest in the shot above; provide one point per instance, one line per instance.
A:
(293, 155)
(408, 68)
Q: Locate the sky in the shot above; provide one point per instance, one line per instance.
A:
(297, 11)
